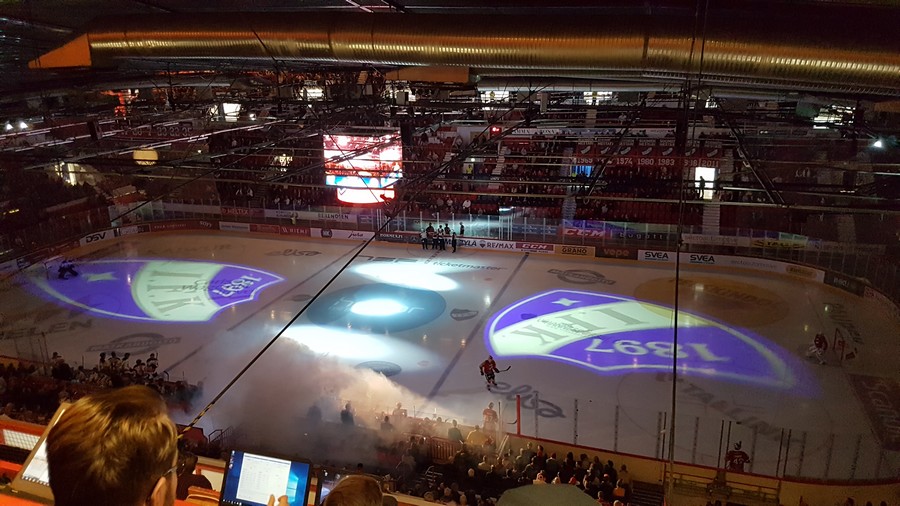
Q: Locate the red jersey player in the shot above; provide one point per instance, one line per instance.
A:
(487, 369)
(735, 459)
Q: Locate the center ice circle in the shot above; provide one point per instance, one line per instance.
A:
(377, 307)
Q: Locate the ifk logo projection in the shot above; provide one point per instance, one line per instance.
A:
(157, 290)
(613, 335)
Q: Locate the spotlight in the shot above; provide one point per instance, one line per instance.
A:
(378, 307)
(22, 125)
(878, 144)
(8, 126)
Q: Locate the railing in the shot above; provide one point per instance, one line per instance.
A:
(632, 428)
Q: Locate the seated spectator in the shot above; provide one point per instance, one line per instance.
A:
(116, 448)
(187, 478)
(355, 490)
(484, 466)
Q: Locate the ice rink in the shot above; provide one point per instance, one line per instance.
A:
(589, 343)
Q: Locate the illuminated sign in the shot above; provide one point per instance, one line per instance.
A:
(614, 335)
(364, 169)
(158, 290)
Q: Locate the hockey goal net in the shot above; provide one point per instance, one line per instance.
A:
(51, 266)
(842, 347)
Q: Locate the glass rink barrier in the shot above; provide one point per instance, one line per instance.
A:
(709, 429)
(750, 446)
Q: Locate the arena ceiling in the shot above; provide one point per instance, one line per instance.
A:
(819, 46)
(808, 49)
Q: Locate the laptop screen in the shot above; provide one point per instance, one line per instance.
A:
(251, 478)
(34, 477)
(326, 482)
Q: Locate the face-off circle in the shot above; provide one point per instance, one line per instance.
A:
(382, 367)
(377, 307)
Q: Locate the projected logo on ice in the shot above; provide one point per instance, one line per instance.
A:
(158, 290)
(614, 335)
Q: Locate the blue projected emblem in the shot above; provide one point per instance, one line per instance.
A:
(614, 335)
(158, 290)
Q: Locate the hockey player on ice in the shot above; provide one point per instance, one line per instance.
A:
(817, 348)
(487, 369)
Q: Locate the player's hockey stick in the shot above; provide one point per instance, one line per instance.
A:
(504, 370)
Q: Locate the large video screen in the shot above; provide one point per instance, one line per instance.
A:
(363, 168)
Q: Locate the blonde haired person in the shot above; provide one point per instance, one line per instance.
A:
(355, 490)
(116, 448)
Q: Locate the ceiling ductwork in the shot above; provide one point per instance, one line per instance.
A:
(785, 49)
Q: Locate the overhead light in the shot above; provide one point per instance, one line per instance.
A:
(252, 117)
(22, 125)
(878, 144)
(9, 126)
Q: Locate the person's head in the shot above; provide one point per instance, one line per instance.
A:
(491, 405)
(454, 423)
(116, 448)
(189, 463)
(355, 490)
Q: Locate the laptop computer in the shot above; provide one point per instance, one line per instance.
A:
(250, 478)
(33, 480)
(326, 479)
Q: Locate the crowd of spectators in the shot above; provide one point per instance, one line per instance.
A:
(441, 461)
(28, 198)
(31, 391)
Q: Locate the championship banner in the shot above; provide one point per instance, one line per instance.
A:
(880, 398)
